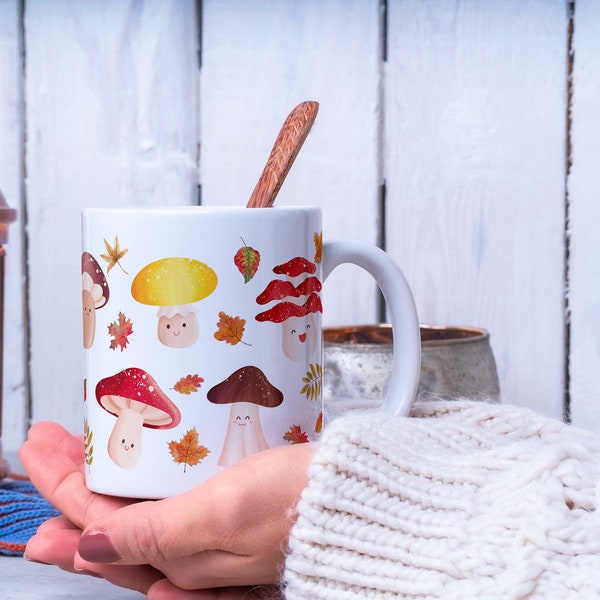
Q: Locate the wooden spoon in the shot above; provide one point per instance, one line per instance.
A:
(285, 149)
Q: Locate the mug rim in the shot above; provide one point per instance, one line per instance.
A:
(431, 335)
(191, 208)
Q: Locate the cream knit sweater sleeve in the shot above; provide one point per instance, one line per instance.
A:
(461, 500)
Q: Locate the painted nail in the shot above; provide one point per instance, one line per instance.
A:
(96, 546)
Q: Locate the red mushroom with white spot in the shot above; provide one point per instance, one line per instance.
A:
(94, 295)
(308, 286)
(134, 397)
(246, 390)
(277, 289)
(297, 316)
(295, 267)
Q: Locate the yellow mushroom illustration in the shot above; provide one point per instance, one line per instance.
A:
(175, 284)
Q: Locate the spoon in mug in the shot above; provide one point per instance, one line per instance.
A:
(291, 136)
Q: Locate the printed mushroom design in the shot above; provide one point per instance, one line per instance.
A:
(246, 390)
(134, 397)
(175, 284)
(300, 301)
(94, 295)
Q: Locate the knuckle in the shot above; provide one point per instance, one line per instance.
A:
(146, 539)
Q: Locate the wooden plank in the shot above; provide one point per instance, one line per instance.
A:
(35, 581)
(259, 60)
(475, 167)
(111, 121)
(584, 217)
(15, 395)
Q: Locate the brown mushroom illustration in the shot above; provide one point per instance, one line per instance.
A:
(246, 390)
(94, 295)
(299, 337)
(175, 284)
(134, 397)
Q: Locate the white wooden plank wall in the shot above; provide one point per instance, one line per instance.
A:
(466, 122)
(15, 376)
(584, 219)
(475, 165)
(259, 60)
(111, 116)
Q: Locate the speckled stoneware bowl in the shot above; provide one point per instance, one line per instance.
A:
(456, 362)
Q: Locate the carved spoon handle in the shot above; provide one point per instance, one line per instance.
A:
(285, 149)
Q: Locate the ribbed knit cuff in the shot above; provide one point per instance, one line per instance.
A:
(461, 500)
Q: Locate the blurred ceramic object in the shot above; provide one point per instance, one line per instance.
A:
(456, 362)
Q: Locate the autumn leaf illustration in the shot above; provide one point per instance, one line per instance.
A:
(318, 238)
(114, 255)
(246, 259)
(88, 447)
(187, 451)
(313, 382)
(230, 329)
(120, 330)
(295, 435)
(188, 384)
(319, 423)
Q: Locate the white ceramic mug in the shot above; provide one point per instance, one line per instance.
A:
(202, 329)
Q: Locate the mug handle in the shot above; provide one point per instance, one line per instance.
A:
(406, 366)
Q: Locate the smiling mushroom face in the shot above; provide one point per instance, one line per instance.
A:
(175, 284)
(299, 327)
(94, 295)
(135, 399)
(298, 302)
(246, 390)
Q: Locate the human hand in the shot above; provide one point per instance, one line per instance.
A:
(54, 460)
(230, 531)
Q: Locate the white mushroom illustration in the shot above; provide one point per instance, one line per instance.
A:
(175, 284)
(246, 390)
(94, 295)
(300, 302)
(134, 397)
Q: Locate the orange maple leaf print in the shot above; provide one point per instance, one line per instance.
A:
(188, 384)
(187, 451)
(230, 329)
(295, 435)
(120, 330)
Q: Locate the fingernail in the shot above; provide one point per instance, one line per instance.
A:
(96, 546)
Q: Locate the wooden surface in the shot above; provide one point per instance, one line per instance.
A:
(462, 114)
(22, 580)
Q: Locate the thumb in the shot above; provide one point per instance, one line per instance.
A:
(141, 533)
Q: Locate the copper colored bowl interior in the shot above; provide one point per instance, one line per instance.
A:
(382, 334)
